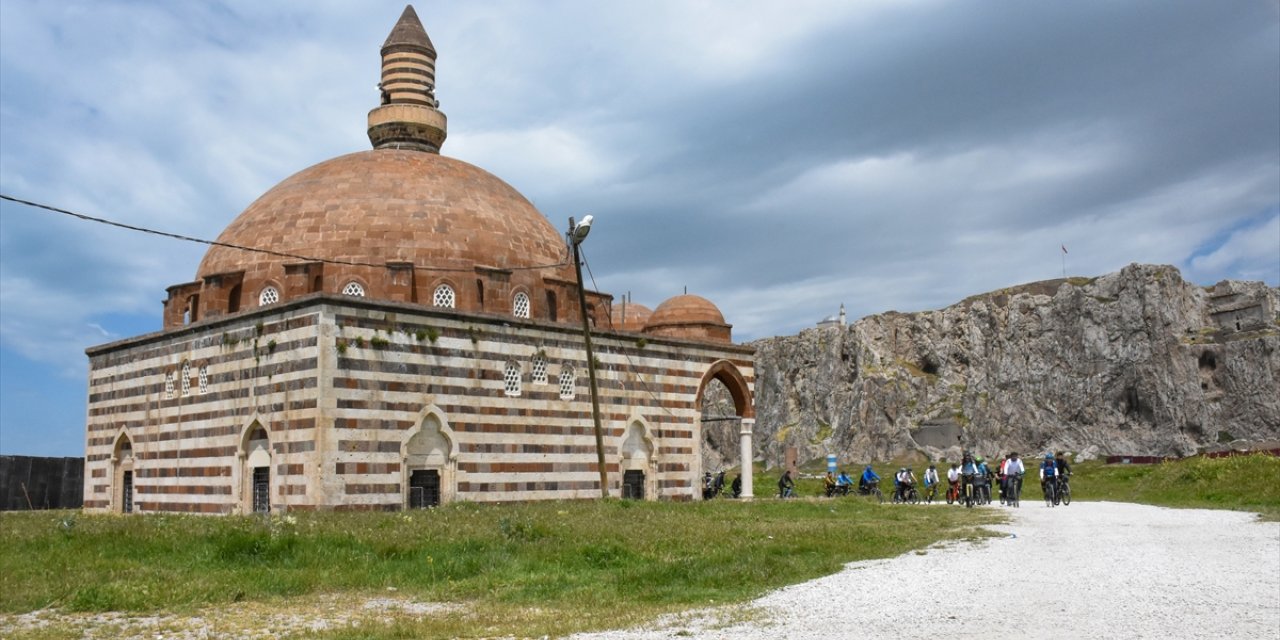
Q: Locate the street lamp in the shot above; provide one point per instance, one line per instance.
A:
(577, 233)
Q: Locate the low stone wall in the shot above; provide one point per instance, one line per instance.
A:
(28, 482)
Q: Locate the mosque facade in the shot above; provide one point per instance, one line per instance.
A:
(393, 329)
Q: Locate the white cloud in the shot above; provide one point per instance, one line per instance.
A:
(1250, 253)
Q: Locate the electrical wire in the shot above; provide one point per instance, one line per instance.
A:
(280, 254)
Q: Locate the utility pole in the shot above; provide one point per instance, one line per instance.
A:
(577, 232)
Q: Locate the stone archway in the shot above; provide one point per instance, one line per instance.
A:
(255, 469)
(122, 474)
(637, 460)
(428, 461)
(740, 404)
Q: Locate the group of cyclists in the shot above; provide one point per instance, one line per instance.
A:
(969, 481)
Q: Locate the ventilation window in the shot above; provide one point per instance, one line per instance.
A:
(540, 369)
(511, 379)
(168, 385)
(204, 378)
(520, 307)
(268, 296)
(186, 378)
(444, 297)
(353, 289)
(568, 383)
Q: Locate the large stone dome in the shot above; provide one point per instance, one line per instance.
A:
(388, 206)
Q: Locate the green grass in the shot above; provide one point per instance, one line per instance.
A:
(1245, 483)
(517, 569)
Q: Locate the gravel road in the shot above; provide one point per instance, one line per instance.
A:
(1090, 570)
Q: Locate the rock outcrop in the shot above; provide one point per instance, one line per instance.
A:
(1135, 362)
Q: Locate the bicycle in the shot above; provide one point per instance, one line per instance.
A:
(931, 493)
(871, 489)
(968, 491)
(953, 492)
(907, 494)
(1013, 490)
(983, 490)
(1064, 490)
(1050, 496)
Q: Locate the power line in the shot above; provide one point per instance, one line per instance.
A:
(271, 252)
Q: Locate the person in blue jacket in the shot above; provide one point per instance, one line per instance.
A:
(868, 478)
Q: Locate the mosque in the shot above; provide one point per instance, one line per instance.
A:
(396, 329)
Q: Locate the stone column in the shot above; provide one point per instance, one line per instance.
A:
(744, 436)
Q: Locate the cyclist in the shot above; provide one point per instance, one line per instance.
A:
(867, 480)
(1048, 472)
(1013, 470)
(786, 485)
(982, 479)
(998, 472)
(931, 480)
(843, 483)
(968, 469)
(829, 485)
(953, 481)
(1064, 469)
(903, 482)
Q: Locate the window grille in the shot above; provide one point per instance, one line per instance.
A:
(511, 379)
(168, 385)
(204, 378)
(444, 297)
(353, 289)
(268, 296)
(186, 378)
(568, 383)
(540, 369)
(520, 307)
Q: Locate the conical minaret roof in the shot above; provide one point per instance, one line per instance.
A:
(408, 32)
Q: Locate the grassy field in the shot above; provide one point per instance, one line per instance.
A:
(1244, 483)
(522, 570)
(516, 569)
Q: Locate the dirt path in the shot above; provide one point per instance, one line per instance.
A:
(1094, 569)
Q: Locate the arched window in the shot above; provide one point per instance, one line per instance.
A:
(168, 385)
(186, 378)
(520, 306)
(568, 383)
(353, 289)
(204, 378)
(444, 297)
(539, 369)
(269, 295)
(233, 299)
(511, 379)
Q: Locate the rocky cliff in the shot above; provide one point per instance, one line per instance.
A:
(1135, 362)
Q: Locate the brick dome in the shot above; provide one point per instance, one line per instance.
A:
(388, 206)
(629, 316)
(689, 316)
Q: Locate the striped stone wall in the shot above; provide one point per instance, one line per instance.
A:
(341, 386)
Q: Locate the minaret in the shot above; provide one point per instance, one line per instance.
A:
(842, 316)
(409, 117)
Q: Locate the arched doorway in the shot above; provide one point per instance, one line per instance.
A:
(726, 406)
(428, 454)
(637, 462)
(255, 469)
(122, 467)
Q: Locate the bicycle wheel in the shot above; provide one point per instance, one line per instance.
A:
(1048, 494)
(1013, 493)
(1066, 494)
(968, 496)
(879, 495)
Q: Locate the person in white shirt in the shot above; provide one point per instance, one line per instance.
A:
(1012, 471)
(931, 482)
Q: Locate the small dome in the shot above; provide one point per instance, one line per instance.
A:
(629, 316)
(691, 317)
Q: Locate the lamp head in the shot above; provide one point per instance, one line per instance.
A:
(581, 229)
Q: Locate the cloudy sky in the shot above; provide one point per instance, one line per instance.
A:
(778, 158)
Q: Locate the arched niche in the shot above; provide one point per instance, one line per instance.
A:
(256, 478)
(638, 461)
(744, 409)
(429, 456)
(122, 474)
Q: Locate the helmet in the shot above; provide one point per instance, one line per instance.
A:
(978, 459)
(933, 466)
(1048, 456)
